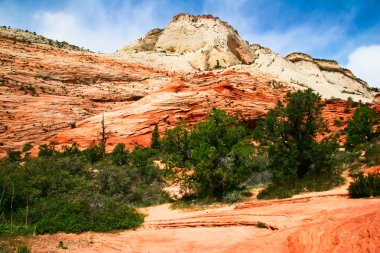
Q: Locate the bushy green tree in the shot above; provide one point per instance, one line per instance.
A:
(176, 144)
(213, 154)
(360, 128)
(291, 133)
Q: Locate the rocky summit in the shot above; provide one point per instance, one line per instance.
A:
(52, 91)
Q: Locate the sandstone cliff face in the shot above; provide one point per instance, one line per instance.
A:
(197, 43)
(46, 88)
(332, 74)
(53, 91)
(206, 42)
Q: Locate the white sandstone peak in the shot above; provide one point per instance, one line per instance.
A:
(199, 43)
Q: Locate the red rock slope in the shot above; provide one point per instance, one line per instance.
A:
(45, 89)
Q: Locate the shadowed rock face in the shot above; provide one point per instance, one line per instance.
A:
(240, 50)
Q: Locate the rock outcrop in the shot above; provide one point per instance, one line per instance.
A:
(198, 43)
(206, 42)
(329, 71)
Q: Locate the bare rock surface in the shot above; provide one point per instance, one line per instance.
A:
(204, 41)
(315, 222)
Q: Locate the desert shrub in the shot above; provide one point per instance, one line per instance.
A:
(137, 181)
(69, 193)
(14, 156)
(319, 182)
(81, 214)
(23, 249)
(261, 225)
(338, 123)
(275, 192)
(233, 197)
(372, 154)
(68, 151)
(365, 186)
(27, 147)
(46, 150)
(333, 100)
(93, 154)
(42, 178)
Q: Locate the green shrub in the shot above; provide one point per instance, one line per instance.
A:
(14, 156)
(93, 154)
(232, 197)
(319, 182)
(338, 123)
(27, 147)
(81, 214)
(261, 225)
(68, 192)
(46, 150)
(23, 249)
(365, 186)
(372, 154)
(333, 100)
(68, 151)
(275, 192)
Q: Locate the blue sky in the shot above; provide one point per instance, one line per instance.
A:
(344, 30)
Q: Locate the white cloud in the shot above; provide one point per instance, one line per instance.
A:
(307, 37)
(364, 62)
(89, 24)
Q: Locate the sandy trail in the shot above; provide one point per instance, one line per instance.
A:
(314, 222)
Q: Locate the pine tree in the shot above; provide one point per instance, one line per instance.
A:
(155, 138)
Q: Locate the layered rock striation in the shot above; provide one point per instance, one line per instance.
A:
(52, 91)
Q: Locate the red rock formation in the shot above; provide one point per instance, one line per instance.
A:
(51, 94)
(44, 89)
